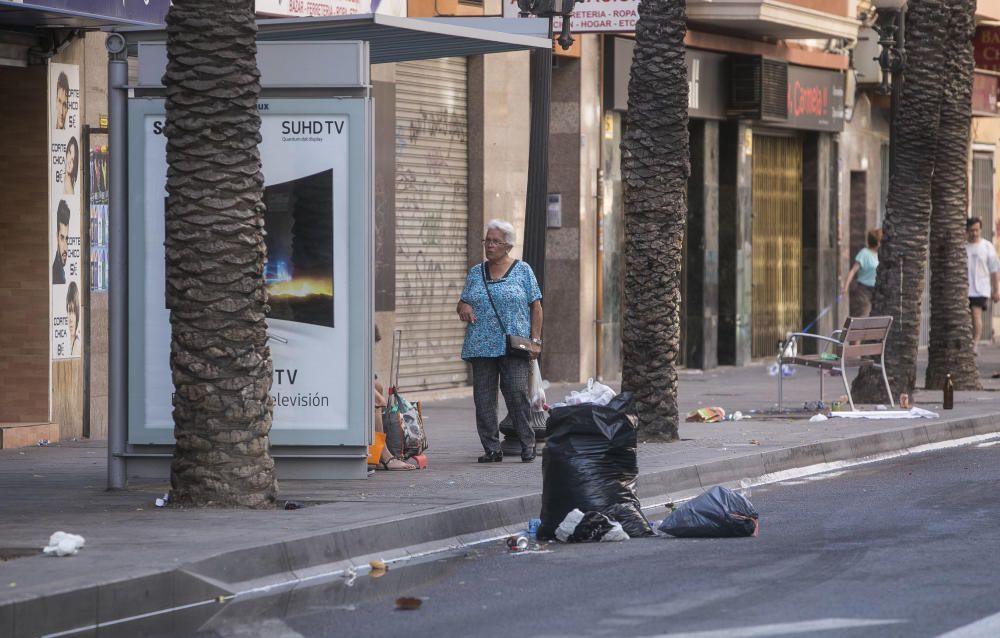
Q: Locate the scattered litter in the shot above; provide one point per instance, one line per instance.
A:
(43, 442)
(578, 527)
(595, 392)
(350, 575)
(408, 603)
(591, 465)
(754, 442)
(718, 513)
(828, 356)
(706, 415)
(63, 544)
(163, 500)
(533, 525)
(378, 568)
(881, 406)
(517, 543)
(12, 584)
(744, 488)
(786, 370)
(293, 505)
(818, 417)
(912, 413)
(736, 416)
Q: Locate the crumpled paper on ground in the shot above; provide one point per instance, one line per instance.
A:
(64, 544)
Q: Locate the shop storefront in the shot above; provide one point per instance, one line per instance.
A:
(51, 95)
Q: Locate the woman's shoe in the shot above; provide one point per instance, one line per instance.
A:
(527, 458)
(491, 457)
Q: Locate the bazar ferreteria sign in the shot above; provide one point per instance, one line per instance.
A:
(593, 16)
(987, 48)
(815, 99)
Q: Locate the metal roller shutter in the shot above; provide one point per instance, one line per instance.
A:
(431, 221)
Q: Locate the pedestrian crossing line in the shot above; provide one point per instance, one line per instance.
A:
(785, 629)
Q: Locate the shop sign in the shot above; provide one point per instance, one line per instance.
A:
(986, 47)
(815, 99)
(313, 166)
(327, 8)
(984, 93)
(151, 11)
(593, 16)
(65, 186)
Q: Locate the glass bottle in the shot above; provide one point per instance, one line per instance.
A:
(949, 393)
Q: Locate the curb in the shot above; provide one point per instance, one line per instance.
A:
(199, 583)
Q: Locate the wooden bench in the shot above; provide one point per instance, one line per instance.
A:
(860, 343)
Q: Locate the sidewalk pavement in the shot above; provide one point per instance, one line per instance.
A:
(139, 558)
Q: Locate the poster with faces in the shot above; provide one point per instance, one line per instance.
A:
(65, 185)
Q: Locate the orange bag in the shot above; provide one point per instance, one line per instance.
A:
(375, 449)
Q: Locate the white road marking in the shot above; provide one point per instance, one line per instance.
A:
(985, 628)
(783, 629)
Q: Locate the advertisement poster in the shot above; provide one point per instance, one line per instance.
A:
(306, 171)
(65, 183)
(99, 203)
(592, 16)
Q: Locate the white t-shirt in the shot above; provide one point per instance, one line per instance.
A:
(982, 261)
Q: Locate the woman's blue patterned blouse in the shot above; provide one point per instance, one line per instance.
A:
(512, 294)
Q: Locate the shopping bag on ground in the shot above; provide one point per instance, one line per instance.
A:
(718, 513)
(589, 463)
(404, 427)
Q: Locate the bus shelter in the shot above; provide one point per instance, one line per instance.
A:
(317, 155)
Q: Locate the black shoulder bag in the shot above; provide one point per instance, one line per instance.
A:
(516, 346)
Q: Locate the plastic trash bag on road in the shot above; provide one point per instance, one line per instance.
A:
(589, 463)
(578, 527)
(718, 513)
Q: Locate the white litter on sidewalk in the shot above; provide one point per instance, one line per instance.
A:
(912, 413)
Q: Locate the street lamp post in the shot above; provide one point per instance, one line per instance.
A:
(533, 252)
(891, 29)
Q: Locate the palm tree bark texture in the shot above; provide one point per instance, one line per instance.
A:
(903, 253)
(950, 348)
(655, 170)
(215, 256)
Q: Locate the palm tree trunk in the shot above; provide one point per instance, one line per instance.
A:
(903, 254)
(215, 256)
(655, 170)
(950, 349)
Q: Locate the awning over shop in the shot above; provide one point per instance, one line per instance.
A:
(394, 39)
(80, 14)
(771, 18)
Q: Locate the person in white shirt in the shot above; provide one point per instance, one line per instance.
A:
(984, 276)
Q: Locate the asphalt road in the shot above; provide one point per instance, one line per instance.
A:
(900, 548)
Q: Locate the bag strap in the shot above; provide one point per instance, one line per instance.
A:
(486, 285)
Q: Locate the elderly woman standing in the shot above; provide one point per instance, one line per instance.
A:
(509, 286)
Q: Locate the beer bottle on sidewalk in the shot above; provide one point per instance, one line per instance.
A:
(949, 393)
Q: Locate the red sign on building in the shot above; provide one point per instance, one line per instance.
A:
(987, 48)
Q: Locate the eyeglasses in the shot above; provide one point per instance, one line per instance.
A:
(494, 242)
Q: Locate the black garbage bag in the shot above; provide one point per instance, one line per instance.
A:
(589, 463)
(718, 513)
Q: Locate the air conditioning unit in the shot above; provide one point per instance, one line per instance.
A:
(758, 88)
(864, 57)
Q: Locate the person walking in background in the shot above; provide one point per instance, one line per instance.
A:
(509, 286)
(862, 273)
(984, 276)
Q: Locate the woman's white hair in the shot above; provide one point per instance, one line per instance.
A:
(504, 227)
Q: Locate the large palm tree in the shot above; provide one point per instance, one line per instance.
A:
(903, 254)
(215, 257)
(655, 170)
(950, 349)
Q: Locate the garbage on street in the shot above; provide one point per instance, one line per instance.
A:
(590, 464)
(718, 513)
